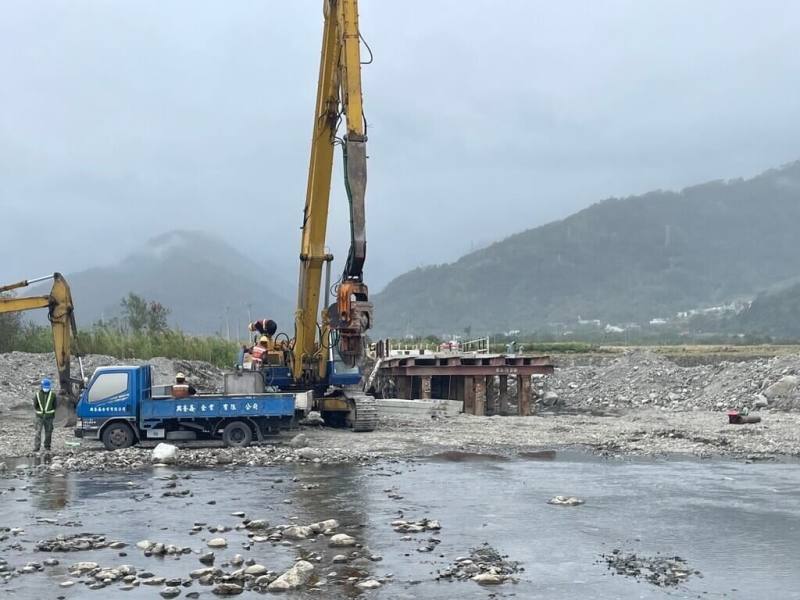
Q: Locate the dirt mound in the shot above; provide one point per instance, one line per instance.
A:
(644, 379)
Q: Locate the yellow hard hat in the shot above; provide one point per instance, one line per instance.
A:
(264, 339)
(180, 376)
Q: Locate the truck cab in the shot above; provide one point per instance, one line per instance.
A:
(121, 407)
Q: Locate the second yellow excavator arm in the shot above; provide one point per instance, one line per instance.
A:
(60, 312)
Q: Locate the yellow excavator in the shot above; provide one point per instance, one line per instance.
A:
(60, 313)
(327, 345)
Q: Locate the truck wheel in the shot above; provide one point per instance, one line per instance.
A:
(237, 434)
(117, 436)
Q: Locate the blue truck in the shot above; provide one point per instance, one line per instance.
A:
(121, 407)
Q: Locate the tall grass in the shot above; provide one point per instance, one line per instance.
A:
(104, 340)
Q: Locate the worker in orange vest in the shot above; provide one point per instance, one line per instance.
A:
(181, 389)
(258, 351)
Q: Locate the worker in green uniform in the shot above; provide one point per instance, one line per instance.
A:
(44, 404)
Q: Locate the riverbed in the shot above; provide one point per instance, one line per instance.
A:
(735, 524)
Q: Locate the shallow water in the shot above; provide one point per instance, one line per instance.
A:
(738, 524)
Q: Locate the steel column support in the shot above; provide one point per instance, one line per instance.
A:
(524, 395)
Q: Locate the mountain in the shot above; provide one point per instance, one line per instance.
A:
(775, 314)
(621, 260)
(194, 274)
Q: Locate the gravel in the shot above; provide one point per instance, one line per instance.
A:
(640, 403)
(663, 571)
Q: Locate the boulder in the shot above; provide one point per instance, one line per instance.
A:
(298, 532)
(217, 543)
(550, 398)
(294, 578)
(299, 441)
(369, 584)
(164, 453)
(170, 592)
(313, 418)
(488, 579)
(341, 540)
(782, 388)
(255, 570)
(321, 526)
(309, 453)
(565, 501)
(228, 589)
(258, 524)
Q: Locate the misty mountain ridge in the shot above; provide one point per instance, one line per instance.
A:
(197, 276)
(621, 260)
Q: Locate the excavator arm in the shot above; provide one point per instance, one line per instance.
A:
(60, 312)
(338, 98)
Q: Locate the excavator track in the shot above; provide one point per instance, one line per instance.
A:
(364, 413)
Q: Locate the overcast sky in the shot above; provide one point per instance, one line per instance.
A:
(123, 120)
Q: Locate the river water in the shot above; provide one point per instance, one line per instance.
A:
(736, 523)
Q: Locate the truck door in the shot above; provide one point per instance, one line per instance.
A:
(110, 396)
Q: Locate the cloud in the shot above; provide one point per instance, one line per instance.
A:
(119, 121)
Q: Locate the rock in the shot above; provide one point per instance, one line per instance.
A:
(313, 418)
(198, 573)
(237, 560)
(782, 388)
(164, 453)
(298, 532)
(67, 583)
(84, 567)
(294, 578)
(144, 545)
(565, 501)
(326, 525)
(550, 398)
(369, 584)
(488, 579)
(170, 592)
(217, 543)
(341, 540)
(258, 524)
(760, 401)
(228, 589)
(309, 453)
(299, 441)
(339, 558)
(256, 570)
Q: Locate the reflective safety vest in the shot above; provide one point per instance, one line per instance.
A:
(258, 352)
(45, 404)
(180, 390)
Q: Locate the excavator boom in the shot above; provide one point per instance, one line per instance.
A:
(338, 98)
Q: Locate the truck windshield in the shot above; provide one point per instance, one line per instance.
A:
(108, 385)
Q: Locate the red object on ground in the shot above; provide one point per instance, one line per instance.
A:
(733, 417)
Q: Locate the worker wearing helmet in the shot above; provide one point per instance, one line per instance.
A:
(266, 327)
(258, 351)
(181, 389)
(44, 405)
